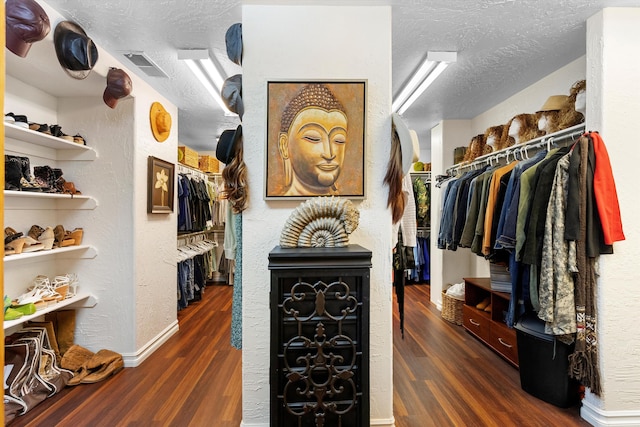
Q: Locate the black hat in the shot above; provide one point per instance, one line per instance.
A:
(233, 40)
(76, 52)
(118, 86)
(26, 23)
(226, 149)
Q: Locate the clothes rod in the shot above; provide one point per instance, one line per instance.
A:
(568, 134)
(192, 171)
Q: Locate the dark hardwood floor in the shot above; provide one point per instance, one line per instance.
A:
(442, 377)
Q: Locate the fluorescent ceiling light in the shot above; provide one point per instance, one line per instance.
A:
(428, 71)
(206, 72)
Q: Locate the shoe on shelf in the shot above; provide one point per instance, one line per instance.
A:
(487, 309)
(61, 238)
(35, 231)
(25, 309)
(484, 303)
(13, 241)
(44, 128)
(12, 173)
(56, 130)
(31, 245)
(12, 314)
(70, 188)
(76, 234)
(61, 286)
(47, 238)
(79, 139)
(10, 235)
(18, 120)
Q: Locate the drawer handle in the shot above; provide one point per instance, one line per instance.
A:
(504, 343)
(473, 322)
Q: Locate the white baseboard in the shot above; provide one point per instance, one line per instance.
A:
(131, 360)
(600, 418)
(382, 422)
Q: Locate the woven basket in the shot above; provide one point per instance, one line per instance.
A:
(452, 309)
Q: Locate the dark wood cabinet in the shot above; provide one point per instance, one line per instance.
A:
(489, 327)
(319, 370)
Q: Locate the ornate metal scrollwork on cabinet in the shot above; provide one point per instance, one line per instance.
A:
(320, 336)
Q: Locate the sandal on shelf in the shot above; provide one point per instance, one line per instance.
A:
(76, 234)
(10, 235)
(61, 238)
(47, 238)
(14, 247)
(31, 245)
(13, 241)
(61, 286)
(35, 231)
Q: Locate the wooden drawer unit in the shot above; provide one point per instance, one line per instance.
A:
(489, 327)
(503, 340)
(477, 322)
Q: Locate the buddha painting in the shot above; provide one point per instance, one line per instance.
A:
(315, 146)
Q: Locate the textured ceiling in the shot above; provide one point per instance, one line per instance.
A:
(503, 46)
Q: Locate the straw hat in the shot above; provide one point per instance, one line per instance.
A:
(554, 103)
(160, 122)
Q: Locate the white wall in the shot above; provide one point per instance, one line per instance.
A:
(133, 275)
(532, 98)
(308, 43)
(613, 103)
(447, 267)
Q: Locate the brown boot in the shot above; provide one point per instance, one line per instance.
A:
(64, 322)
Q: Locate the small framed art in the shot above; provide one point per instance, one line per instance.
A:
(160, 186)
(315, 139)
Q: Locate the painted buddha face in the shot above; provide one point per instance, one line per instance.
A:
(316, 143)
(313, 145)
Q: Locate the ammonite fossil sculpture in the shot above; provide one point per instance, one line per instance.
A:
(320, 222)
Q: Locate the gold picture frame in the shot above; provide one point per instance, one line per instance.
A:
(160, 183)
(315, 139)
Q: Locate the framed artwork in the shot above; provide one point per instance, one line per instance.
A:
(160, 181)
(315, 139)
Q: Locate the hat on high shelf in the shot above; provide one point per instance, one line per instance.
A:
(233, 40)
(232, 94)
(76, 52)
(118, 86)
(26, 23)
(160, 122)
(554, 103)
(226, 148)
(409, 144)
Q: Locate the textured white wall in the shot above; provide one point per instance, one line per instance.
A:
(134, 274)
(454, 264)
(532, 98)
(309, 43)
(613, 107)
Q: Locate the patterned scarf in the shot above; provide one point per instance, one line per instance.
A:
(583, 363)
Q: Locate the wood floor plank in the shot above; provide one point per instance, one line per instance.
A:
(442, 377)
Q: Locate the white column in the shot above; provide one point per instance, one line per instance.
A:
(447, 267)
(315, 43)
(613, 109)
